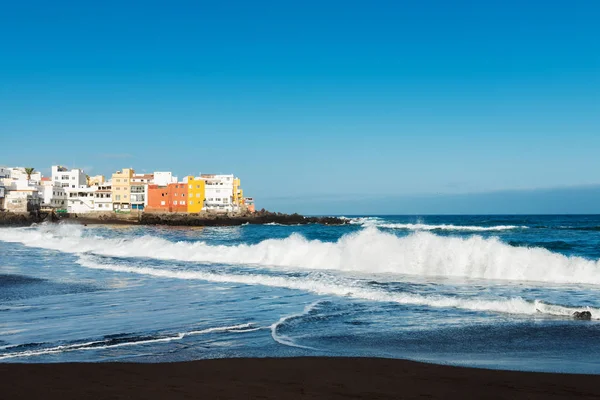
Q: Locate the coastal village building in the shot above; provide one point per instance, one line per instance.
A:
(73, 191)
(96, 180)
(139, 190)
(249, 203)
(196, 194)
(121, 189)
(22, 200)
(53, 194)
(68, 178)
(19, 174)
(103, 197)
(219, 192)
(164, 178)
(81, 200)
(170, 198)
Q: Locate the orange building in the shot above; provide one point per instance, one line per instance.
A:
(171, 198)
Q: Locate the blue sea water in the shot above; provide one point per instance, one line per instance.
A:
(485, 291)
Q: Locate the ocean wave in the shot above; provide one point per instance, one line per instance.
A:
(122, 342)
(330, 286)
(445, 227)
(366, 251)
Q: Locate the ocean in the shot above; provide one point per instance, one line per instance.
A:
(484, 291)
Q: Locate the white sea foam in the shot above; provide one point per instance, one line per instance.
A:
(369, 250)
(284, 339)
(444, 227)
(322, 286)
(98, 345)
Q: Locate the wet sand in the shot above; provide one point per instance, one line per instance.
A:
(285, 378)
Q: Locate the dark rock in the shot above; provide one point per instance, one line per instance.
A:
(582, 315)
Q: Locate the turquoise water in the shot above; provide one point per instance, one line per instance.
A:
(489, 291)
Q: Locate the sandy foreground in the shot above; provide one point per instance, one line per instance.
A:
(284, 378)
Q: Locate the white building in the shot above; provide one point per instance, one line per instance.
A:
(219, 192)
(22, 200)
(164, 178)
(73, 179)
(19, 174)
(81, 200)
(53, 194)
(103, 197)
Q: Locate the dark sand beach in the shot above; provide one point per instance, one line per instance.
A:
(285, 378)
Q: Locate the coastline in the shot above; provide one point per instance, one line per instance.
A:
(168, 219)
(286, 378)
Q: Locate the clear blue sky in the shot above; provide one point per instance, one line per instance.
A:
(310, 100)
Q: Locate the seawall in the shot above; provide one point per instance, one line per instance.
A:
(169, 219)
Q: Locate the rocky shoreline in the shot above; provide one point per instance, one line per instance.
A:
(172, 219)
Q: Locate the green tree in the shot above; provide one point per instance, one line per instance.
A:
(29, 172)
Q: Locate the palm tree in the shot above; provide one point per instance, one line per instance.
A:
(87, 179)
(29, 172)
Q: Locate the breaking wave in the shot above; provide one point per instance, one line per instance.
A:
(378, 222)
(331, 286)
(366, 251)
(444, 227)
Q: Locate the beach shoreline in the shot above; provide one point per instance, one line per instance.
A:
(286, 378)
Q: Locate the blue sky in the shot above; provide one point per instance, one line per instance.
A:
(314, 103)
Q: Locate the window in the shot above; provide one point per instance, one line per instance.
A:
(118, 197)
(99, 205)
(182, 203)
(191, 202)
(197, 186)
(162, 203)
(197, 194)
(218, 190)
(118, 180)
(73, 186)
(175, 195)
(182, 194)
(175, 202)
(190, 186)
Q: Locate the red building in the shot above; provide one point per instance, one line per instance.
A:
(171, 198)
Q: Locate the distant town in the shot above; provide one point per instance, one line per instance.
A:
(73, 191)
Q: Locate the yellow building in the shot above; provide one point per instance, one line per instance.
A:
(121, 189)
(238, 193)
(96, 180)
(196, 194)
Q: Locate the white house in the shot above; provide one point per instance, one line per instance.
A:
(81, 200)
(164, 178)
(19, 174)
(73, 179)
(53, 194)
(22, 200)
(4, 173)
(139, 190)
(103, 197)
(219, 192)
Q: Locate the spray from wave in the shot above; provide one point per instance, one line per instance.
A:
(367, 251)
